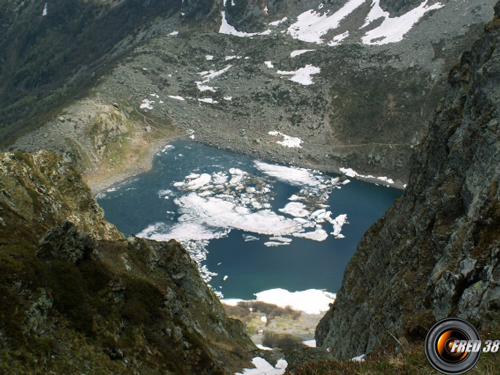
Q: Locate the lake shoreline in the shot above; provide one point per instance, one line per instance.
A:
(146, 164)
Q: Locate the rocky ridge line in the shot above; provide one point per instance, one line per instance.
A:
(75, 294)
(436, 253)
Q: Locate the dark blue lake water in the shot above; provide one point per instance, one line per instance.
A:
(251, 225)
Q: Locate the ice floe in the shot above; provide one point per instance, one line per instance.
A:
(210, 205)
(292, 175)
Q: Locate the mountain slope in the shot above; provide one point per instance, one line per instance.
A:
(435, 253)
(355, 80)
(75, 295)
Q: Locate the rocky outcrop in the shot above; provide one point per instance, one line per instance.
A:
(436, 252)
(77, 296)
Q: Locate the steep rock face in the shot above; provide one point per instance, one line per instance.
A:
(436, 252)
(75, 295)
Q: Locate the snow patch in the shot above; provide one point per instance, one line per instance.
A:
(45, 10)
(226, 28)
(262, 367)
(360, 358)
(279, 22)
(338, 38)
(302, 75)
(294, 176)
(288, 141)
(393, 29)
(352, 173)
(176, 97)
(147, 104)
(173, 33)
(300, 52)
(208, 100)
(310, 343)
(311, 25)
(208, 76)
(269, 64)
(312, 301)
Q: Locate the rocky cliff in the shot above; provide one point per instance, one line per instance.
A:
(355, 80)
(436, 253)
(77, 296)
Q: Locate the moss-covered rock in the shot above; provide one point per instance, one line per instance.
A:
(435, 253)
(76, 295)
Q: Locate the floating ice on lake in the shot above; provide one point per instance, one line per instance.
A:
(295, 209)
(249, 238)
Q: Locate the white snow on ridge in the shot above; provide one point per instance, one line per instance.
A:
(302, 75)
(262, 367)
(288, 141)
(311, 26)
(45, 10)
(393, 29)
